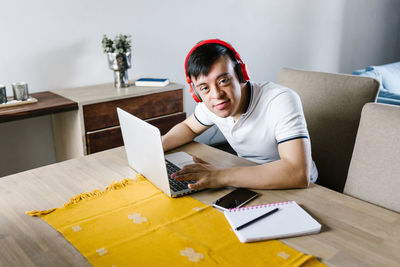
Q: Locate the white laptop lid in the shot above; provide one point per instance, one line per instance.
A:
(144, 149)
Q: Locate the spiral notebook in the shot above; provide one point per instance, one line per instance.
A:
(289, 220)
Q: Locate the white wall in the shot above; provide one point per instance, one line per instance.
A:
(56, 44)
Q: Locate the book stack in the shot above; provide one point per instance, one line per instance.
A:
(158, 82)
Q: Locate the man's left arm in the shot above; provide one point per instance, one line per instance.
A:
(291, 171)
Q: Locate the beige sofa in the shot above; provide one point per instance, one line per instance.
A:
(374, 173)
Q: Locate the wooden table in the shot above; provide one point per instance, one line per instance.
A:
(48, 103)
(354, 233)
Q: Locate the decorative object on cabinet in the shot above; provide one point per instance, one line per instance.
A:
(13, 102)
(21, 95)
(20, 91)
(3, 94)
(119, 57)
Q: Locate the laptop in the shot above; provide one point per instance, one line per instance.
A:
(146, 156)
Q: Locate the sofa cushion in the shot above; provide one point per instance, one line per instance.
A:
(389, 81)
(390, 76)
(374, 169)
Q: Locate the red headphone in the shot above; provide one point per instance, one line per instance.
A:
(242, 72)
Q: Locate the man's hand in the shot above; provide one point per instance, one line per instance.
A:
(205, 174)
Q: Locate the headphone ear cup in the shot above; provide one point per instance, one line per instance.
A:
(238, 70)
(244, 72)
(194, 94)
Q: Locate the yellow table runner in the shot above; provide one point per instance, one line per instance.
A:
(132, 223)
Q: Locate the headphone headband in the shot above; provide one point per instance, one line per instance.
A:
(243, 69)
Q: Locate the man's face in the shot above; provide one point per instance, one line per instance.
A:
(221, 90)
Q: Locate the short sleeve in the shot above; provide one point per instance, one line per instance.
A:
(202, 115)
(288, 117)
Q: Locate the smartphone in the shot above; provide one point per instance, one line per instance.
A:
(235, 199)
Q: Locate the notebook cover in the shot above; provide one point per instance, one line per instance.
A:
(289, 220)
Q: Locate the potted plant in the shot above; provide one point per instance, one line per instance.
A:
(119, 57)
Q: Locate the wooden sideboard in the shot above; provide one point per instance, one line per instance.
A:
(95, 127)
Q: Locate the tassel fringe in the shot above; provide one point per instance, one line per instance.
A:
(86, 196)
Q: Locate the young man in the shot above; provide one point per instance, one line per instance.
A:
(263, 122)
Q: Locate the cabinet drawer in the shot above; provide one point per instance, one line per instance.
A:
(104, 115)
(109, 138)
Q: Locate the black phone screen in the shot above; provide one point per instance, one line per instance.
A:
(235, 199)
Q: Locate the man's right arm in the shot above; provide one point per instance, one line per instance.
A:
(182, 133)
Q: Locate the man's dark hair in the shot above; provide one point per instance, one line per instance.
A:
(202, 58)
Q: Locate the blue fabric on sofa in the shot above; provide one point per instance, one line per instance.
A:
(389, 78)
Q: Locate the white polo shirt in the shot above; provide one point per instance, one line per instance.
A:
(274, 115)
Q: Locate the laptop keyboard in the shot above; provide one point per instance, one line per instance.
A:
(176, 185)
